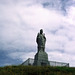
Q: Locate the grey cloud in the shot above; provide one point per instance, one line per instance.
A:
(19, 25)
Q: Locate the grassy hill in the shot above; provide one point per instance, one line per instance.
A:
(36, 70)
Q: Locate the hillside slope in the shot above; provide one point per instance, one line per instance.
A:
(39, 70)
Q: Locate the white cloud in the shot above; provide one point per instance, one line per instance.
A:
(20, 22)
(71, 15)
(69, 47)
(62, 57)
(21, 55)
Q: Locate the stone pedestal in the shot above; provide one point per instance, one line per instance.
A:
(41, 59)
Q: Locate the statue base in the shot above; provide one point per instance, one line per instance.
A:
(41, 59)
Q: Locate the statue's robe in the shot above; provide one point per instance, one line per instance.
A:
(41, 39)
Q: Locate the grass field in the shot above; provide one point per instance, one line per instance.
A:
(36, 70)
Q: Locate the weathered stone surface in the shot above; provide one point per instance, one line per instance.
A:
(41, 40)
(41, 57)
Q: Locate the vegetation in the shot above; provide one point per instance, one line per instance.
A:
(36, 70)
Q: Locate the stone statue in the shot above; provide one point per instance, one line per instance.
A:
(41, 40)
(41, 57)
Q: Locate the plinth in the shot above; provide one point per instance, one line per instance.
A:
(41, 59)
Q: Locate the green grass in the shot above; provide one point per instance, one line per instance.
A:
(36, 70)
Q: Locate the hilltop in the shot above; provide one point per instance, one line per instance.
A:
(36, 70)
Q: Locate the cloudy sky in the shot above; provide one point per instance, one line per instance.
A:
(21, 20)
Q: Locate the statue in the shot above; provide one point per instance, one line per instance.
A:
(41, 57)
(41, 40)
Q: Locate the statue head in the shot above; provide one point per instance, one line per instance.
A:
(41, 31)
